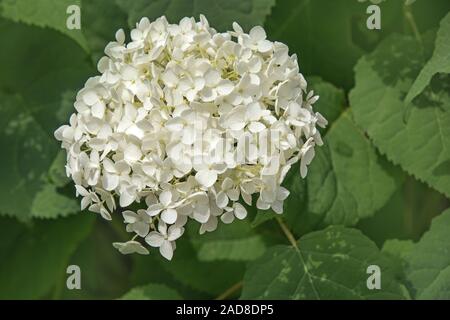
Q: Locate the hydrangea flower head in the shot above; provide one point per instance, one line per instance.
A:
(186, 123)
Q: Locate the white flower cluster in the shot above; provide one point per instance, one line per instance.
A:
(183, 122)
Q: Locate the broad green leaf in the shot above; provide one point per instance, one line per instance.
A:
(220, 14)
(429, 261)
(415, 136)
(152, 292)
(101, 20)
(328, 264)
(236, 241)
(31, 88)
(35, 257)
(439, 62)
(44, 13)
(347, 180)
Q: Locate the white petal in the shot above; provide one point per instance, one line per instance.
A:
(265, 46)
(169, 216)
(257, 33)
(129, 216)
(126, 199)
(129, 73)
(120, 36)
(110, 181)
(166, 250)
(98, 110)
(165, 198)
(227, 217)
(81, 190)
(141, 228)
(222, 199)
(154, 239)
(239, 211)
(206, 177)
(225, 87)
(175, 232)
(154, 209)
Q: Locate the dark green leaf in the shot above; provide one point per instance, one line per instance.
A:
(35, 257)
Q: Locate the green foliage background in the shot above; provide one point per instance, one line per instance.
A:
(376, 193)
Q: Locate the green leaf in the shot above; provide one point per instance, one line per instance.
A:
(399, 251)
(35, 257)
(429, 261)
(439, 62)
(328, 264)
(31, 88)
(236, 241)
(152, 292)
(413, 136)
(220, 14)
(50, 203)
(347, 180)
(43, 13)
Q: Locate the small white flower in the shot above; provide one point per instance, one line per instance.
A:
(130, 247)
(237, 211)
(137, 222)
(164, 239)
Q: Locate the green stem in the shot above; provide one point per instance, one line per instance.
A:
(230, 291)
(287, 233)
(412, 23)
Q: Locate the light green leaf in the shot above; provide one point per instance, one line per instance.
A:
(220, 14)
(50, 203)
(43, 13)
(328, 264)
(439, 62)
(236, 241)
(429, 261)
(415, 136)
(399, 251)
(35, 257)
(152, 292)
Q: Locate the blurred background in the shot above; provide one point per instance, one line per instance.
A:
(364, 177)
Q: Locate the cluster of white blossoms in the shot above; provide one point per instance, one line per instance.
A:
(183, 122)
